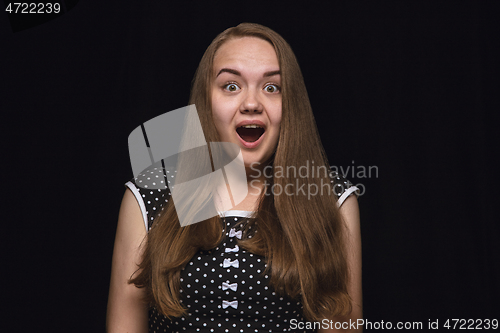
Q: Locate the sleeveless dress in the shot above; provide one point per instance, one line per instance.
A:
(225, 289)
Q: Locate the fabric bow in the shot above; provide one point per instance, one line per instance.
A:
(233, 233)
(233, 304)
(228, 263)
(232, 286)
(235, 249)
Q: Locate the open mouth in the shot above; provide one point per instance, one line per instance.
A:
(250, 133)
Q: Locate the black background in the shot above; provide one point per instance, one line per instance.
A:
(410, 87)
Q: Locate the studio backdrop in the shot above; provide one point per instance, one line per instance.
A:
(405, 99)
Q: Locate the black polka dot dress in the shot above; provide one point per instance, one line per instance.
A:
(225, 289)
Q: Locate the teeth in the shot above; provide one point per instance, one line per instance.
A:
(251, 126)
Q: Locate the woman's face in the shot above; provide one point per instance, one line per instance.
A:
(246, 97)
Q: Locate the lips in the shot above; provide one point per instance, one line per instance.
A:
(250, 132)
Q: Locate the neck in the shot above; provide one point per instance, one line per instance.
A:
(241, 193)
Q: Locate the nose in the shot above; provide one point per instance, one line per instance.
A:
(251, 103)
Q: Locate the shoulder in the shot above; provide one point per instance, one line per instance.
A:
(342, 188)
(151, 194)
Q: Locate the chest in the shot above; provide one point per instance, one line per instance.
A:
(228, 288)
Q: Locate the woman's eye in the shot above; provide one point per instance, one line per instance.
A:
(231, 87)
(271, 88)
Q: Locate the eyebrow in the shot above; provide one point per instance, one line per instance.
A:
(235, 72)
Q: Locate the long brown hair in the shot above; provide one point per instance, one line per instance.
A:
(302, 236)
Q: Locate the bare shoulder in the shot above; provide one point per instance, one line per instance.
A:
(130, 211)
(130, 230)
(350, 212)
(130, 233)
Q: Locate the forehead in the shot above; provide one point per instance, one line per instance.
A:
(245, 52)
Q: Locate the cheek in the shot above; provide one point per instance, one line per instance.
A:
(221, 118)
(218, 124)
(216, 110)
(222, 124)
(219, 108)
(277, 116)
(277, 112)
(277, 125)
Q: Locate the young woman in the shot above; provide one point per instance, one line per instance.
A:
(287, 258)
